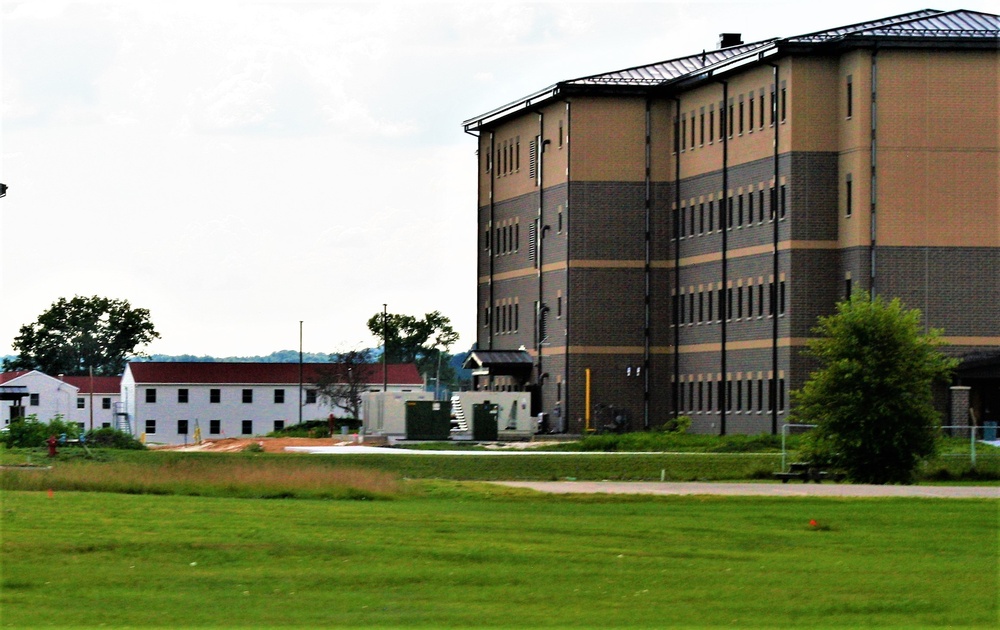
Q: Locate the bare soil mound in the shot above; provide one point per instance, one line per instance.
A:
(270, 445)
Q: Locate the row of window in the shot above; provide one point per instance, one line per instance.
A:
(741, 302)
(506, 238)
(81, 402)
(214, 427)
(736, 395)
(215, 396)
(741, 210)
(737, 116)
(506, 317)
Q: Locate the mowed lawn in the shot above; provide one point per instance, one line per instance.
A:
(448, 554)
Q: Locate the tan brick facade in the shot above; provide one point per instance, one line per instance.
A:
(630, 236)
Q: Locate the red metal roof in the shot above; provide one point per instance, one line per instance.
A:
(260, 373)
(102, 384)
(9, 376)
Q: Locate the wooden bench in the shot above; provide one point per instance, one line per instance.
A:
(807, 472)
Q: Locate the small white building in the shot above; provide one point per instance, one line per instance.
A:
(169, 401)
(70, 397)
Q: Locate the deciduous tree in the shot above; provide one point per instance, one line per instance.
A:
(872, 398)
(410, 340)
(75, 335)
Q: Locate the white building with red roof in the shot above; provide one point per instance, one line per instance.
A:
(88, 401)
(168, 401)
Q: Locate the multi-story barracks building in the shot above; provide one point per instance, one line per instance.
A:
(660, 240)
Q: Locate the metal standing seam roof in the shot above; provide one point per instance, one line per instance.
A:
(485, 358)
(927, 23)
(217, 373)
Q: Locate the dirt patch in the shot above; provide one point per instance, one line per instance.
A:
(270, 445)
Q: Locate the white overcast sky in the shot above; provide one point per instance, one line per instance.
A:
(236, 167)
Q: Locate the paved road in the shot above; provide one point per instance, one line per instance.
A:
(758, 489)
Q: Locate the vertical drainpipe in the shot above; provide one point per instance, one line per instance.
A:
(540, 239)
(566, 221)
(874, 153)
(677, 255)
(489, 327)
(774, 256)
(648, 270)
(724, 398)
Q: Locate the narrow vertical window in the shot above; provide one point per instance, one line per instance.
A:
(722, 120)
(848, 196)
(782, 201)
(739, 302)
(761, 108)
(781, 297)
(741, 115)
(730, 118)
(850, 96)
(847, 288)
(760, 394)
(711, 216)
(709, 310)
(692, 131)
(760, 210)
(774, 105)
(701, 127)
(701, 218)
(750, 207)
(677, 135)
(701, 306)
(739, 199)
(684, 132)
(711, 124)
(784, 101)
(760, 300)
(781, 394)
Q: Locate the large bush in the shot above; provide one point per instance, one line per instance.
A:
(29, 432)
(872, 399)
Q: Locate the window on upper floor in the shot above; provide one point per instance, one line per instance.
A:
(310, 396)
(850, 96)
(279, 396)
(182, 395)
(33, 400)
(105, 403)
(150, 395)
(247, 396)
(215, 395)
(81, 402)
(848, 196)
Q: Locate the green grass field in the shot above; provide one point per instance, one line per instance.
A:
(449, 554)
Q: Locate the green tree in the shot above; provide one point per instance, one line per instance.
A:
(341, 383)
(871, 399)
(407, 339)
(75, 335)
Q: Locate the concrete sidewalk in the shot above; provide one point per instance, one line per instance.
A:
(757, 489)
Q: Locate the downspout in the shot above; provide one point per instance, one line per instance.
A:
(874, 181)
(493, 168)
(566, 222)
(540, 247)
(648, 271)
(774, 256)
(725, 201)
(677, 255)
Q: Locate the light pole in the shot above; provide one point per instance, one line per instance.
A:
(385, 348)
(437, 378)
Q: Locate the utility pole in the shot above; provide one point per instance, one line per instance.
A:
(300, 372)
(385, 347)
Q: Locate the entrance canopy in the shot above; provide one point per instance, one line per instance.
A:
(517, 363)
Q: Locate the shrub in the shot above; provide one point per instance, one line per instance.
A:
(29, 432)
(680, 424)
(113, 438)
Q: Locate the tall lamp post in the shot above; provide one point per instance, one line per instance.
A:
(385, 348)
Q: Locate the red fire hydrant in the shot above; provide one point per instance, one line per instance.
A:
(52, 445)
